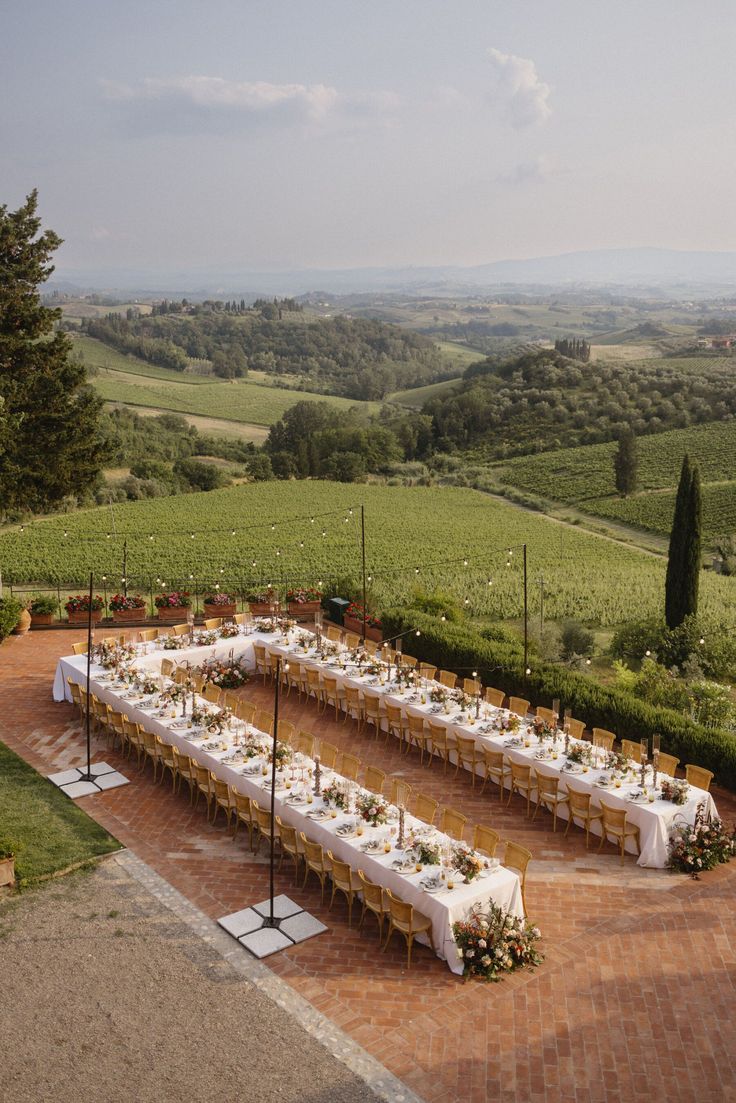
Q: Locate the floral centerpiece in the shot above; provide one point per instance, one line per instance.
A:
(217, 603)
(205, 639)
(304, 600)
(701, 845)
(78, 608)
(618, 762)
(438, 695)
(467, 862)
(492, 943)
(283, 754)
(127, 606)
(354, 620)
(145, 684)
(226, 673)
(371, 808)
(175, 643)
(542, 729)
(219, 722)
(336, 793)
(510, 723)
(580, 752)
(674, 791)
(110, 656)
(427, 851)
(172, 606)
(200, 716)
(229, 631)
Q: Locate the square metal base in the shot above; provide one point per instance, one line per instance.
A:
(295, 925)
(75, 784)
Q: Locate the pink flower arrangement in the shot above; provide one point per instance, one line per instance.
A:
(177, 599)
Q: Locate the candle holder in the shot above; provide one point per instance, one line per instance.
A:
(477, 705)
(317, 777)
(655, 767)
(400, 836)
(643, 771)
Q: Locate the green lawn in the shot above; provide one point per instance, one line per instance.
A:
(101, 356)
(237, 401)
(46, 830)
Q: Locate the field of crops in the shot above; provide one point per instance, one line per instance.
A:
(417, 396)
(581, 475)
(101, 356)
(429, 530)
(237, 401)
(655, 510)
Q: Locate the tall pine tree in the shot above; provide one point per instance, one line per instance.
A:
(625, 463)
(53, 446)
(683, 565)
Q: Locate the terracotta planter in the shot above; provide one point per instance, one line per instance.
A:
(39, 619)
(7, 871)
(127, 616)
(351, 624)
(220, 610)
(173, 614)
(24, 623)
(82, 616)
(304, 608)
(263, 609)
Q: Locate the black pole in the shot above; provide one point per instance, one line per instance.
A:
(88, 775)
(362, 545)
(541, 606)
(271, 922)
(125, 566)
(526, 616)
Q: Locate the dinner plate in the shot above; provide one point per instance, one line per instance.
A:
(319, 814)
(345, 832)
(372, 847)
(429, 884)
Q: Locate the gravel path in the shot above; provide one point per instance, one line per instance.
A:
(108, 997)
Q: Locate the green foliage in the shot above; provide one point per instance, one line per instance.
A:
(437, 603)
(45, 830)
(576, 639)
(10, 610)
(359, 358)
(625, 464)
(541, 401)
(200, 476)
(43, 604)
(51, 445)
(656, 684)
(682, 582)
(575, 348)
(455, 647)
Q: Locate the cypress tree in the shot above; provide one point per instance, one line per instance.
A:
(54, 447)
(692, 551)
(625, 463)
(675, 560)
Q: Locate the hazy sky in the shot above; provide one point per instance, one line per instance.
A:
(330, 133)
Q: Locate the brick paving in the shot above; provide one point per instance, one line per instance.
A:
(635, 997)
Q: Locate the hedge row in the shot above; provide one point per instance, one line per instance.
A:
(462, 649)
(9, 612)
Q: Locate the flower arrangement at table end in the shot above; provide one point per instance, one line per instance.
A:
(494, 942)
(111, 656)
(176, 599)
(303, 595)
(371, 808)
(467, 862)
(81, 603)
(219, 597)
(700, 846)
(121, 602)
(226, 673)
(674, 790)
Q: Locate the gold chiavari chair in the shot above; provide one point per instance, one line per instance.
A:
(522, 782)
(581, 809)
(259, 657)
(575, 727)
(211, 623)
(396, 723)
(408, 922)
(399, 792)
(452, 823)
(448, 679)
(485, 840)
(221, 799)
(305, 743)
(168, 666)
(545, 714)
(79, 648)
(291, 845)
(603, 738)
(245, 711)
(426, 670)
(373, 779)
(425, 808)
(699, 777)
(331, 694)
(667, 764)
(549, 796)
(264, 825)
(495, 768)
(371, 711)
(328, 755)
(615, 825)
(286, 732)
(517, 859)
(315, 862)
(180, 630)
(203, 779)
(212, 693)
(471, 686)
(148, 635)
(349, 766)
(243, 812)
(352, 705)
(417, 735)
(374, 902)
(519, 706)
(495, 697)
(469, 755)
(167, 761)
(631, 749)
(184, 772)
(344, 880)
(264, 721)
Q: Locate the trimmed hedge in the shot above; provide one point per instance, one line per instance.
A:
(460, 648)
(10, 609)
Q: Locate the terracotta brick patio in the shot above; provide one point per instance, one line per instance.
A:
(635, 999)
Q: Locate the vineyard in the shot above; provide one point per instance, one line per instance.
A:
(292, 532)
(654, 511)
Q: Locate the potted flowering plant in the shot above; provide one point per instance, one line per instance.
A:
(42, 609)
(127, 607)
(303, 601)
(219, 604)
(353, 621)
(701, 845)
(78, 608)
(264, 603)
(7, 864)
(172, 606)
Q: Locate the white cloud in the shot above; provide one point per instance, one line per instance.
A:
(521, 96)
(312, 101)
(535, 171)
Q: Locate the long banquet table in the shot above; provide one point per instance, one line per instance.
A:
(445, 907)
(653, 818)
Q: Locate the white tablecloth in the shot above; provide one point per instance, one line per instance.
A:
(502, 886)
(654, 820)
